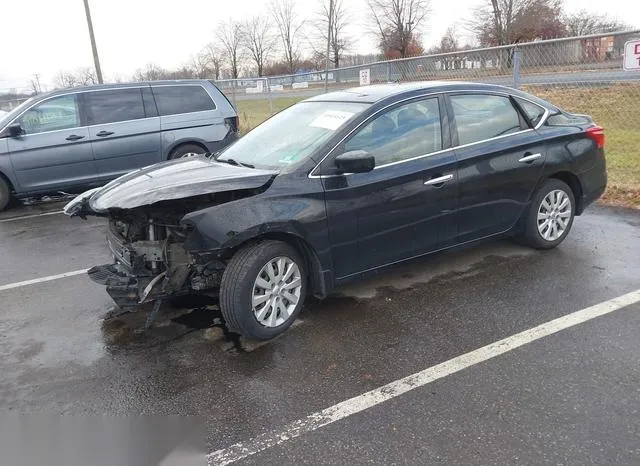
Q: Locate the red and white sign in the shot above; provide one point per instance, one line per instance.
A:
(632, 55)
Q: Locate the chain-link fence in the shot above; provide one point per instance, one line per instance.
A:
(581, 74)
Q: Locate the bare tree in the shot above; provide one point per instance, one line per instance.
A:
(502, 22)
(583, 23)
(339, 42)
(259, 40)
(448, 43)
(289, 25)
(65, 79)
(86, 76)
(396, 24)
(199, 65)
(36, 87)
(229, 34)
(151, 72)
(215, 58)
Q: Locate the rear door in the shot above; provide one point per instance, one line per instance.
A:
(500, 160)
(404, 207)
(55, 150)
(124, 128)
(189, 114)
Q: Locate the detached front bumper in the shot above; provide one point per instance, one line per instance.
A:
(123, 288)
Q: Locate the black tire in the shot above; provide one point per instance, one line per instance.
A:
(532, 235)
(5, 194)
(185, 149)
(237, 288)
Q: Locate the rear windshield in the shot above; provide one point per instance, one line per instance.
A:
(173, 100)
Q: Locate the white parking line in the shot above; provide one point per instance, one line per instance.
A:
(24, 217)
(398, 387)
(42, 279)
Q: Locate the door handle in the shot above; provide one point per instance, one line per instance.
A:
(440, 180)
(104, 133)
(530, 157)
(74, 137)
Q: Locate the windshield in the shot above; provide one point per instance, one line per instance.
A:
(13, 113)
(291, 135)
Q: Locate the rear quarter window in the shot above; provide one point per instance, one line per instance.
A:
(533, 111)
(173, 100)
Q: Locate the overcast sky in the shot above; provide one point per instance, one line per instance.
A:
(46, 36)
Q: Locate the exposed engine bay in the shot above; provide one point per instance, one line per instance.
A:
(150, 260)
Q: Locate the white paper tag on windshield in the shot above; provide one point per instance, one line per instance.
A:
(331, 119)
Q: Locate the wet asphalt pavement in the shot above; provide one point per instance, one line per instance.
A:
(570, 398)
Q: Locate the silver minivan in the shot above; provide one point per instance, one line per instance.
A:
(84, 137)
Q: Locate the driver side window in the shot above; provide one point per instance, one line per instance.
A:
(52, 115)
(404, 132)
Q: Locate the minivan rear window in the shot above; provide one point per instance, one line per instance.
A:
(172, 100)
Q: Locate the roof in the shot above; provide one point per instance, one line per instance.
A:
(377, 92)
(120, 85)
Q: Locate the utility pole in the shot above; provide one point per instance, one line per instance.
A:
(94, 49)
(326, 67)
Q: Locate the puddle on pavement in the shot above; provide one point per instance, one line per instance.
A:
(190, 314)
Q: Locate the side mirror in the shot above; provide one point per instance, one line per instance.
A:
(355, 161)
(15, 130)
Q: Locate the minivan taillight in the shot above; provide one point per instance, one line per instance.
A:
(596, 134)
(232, 123)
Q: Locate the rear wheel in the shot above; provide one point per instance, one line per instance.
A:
(186, 150)
(550, 215)
(5, 194)
(263, 289)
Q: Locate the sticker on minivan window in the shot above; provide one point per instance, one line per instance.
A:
(331, 119)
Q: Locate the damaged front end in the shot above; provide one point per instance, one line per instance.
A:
(145, 234)
(150, 261)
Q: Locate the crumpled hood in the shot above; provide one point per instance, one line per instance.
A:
(176, 179)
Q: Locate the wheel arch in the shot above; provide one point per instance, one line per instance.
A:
(317, 279)
(176, 145)
(573, 182)
(12, 188)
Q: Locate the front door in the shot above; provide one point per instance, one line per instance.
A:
(54, 152)
(125, 130)
(404, 207)
(500, 160)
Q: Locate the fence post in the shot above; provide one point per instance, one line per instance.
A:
(516, 68)
(268, 89)
(233, 94)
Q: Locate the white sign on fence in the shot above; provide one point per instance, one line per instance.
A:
(365, 77)
(302, 85)
(277, 87)
(632, 55)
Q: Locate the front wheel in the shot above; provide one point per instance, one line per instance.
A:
(263, 289)
(550, 215)
(5, 194)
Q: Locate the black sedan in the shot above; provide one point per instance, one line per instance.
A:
(341, 185)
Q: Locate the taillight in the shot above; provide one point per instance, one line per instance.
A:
(232, 123)
(596, 134)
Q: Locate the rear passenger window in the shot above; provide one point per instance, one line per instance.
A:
(480, 117)
(173, 100)
(533, 112)
(114, 105)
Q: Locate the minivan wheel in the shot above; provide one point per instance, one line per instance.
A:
(550, 215)
(5, 194)
(263, 289)
(186, 150)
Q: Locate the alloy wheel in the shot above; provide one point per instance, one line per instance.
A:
(276, 291)
(554, 215)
